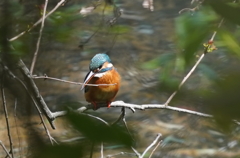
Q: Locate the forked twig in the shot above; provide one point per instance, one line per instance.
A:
(155, 148)
(151, 145)
(34, 101)
(5, 149)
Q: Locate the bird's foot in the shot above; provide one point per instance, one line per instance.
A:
(95, 107)
(108, 104)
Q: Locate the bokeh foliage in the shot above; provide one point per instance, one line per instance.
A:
(193, 29)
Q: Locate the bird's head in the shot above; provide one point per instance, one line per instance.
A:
(99, 64)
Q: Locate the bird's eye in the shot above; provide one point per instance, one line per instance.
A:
(100, 67)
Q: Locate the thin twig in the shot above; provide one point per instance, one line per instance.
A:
(77, 83)
(194, 67)
(155, 148)
(5, 149)
(16, 123)
(39, 21)
(156, 106)
(151, 145)
(92, 147)
(36, 93)
(39, 37)
(136, 152)
(185, 79)
(6, 117)
(34, 102)
(102, 150)
(121, 153)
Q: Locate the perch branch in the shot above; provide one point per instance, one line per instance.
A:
(77, 83)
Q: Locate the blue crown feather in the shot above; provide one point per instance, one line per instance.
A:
(98, 60)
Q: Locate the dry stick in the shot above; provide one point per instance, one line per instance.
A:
(77, 83)
(102, 150)
(194, 67)
(136, 152)
(185, 79)
(5, 149)
(151, 145)
(32, 98)
(39, 37)
(121, 153)
(155, 148)
(156, 106)
(39, 21)
(35, 90)
(6, 117)
(16, 124)
(92, 147)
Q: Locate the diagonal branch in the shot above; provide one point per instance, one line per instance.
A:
(38, 22)
(39, 37)
(36, 93)
(5, 149)
(197, 63)
(151, 145)
(6, 116)
(34, 102)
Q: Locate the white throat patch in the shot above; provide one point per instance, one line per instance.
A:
(103, 73)
(100, 74)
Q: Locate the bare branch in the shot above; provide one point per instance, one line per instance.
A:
(156, 106)
(5, 149)
(121, 153)
(34, 101)
(77, 83)
(197, 63)
(36, 93)
(16, 124)
(102, 150)
(39, 37)
(185, 78)
(6, 117)
(136, 152)
(155, 148)
(39, 21)
(151, 145)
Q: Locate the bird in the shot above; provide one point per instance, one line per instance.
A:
(102, 72)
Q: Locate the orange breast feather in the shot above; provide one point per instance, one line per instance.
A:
(104, 94)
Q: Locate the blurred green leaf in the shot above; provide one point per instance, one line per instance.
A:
(229, 11)
(223, 99)
(119, 29)
(162, 60)
(191, 30)
(229, 41)
(98, 131)
(62, 151)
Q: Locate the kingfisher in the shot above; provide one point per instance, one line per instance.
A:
(106, 81)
